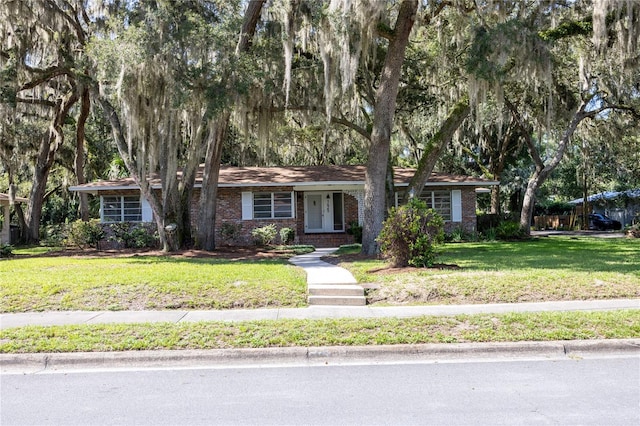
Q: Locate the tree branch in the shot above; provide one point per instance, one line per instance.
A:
(533, 151)
(44, 102)
(251, 16)
(44, 75)
(360, 130)
(73, 21)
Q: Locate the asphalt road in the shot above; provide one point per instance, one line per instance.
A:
(593, 391)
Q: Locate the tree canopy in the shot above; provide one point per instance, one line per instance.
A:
(530, 93)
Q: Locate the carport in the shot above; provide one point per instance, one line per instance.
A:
(5, 228)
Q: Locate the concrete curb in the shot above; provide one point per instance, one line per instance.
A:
(51, 362)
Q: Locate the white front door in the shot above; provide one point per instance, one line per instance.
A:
(323, 212)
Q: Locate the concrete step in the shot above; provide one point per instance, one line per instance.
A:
(335, 290)
(338, 300)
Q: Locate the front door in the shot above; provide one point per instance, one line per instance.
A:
(323, 212)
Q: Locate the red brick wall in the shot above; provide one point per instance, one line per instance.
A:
(468, 195)
(229, 212)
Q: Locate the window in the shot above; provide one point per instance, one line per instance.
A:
(440, 201)
(121, 209)
(272, 205)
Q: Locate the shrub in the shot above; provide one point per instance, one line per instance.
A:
(230, 231)
(132, 236)
(634, 231)
(287, 235)
(53, 235)
(490, 234)
(6, 250)
(410, 234)
(82, 234)
(459, 234)
(509, 230)
(356, 230)
(265, 235)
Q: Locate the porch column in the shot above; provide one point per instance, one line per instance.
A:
(6, 231)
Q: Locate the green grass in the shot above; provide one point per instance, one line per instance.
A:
(147, 282)
(35, 250)
(501, 272)
(328, 332)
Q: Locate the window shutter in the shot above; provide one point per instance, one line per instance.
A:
(247, 206)
(102, 209)
(147, 213)
(293, 205)
(456, 205)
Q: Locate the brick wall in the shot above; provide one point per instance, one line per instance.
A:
(229, 216)
(468, 210)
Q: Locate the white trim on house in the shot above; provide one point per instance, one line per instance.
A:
(247, 205)
(95, 190)
(147, 213)
(304, 185)
(430, 184)
(456, 205)
(327, 187)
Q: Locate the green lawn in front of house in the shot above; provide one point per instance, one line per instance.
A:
(147, 282)
(539, 269)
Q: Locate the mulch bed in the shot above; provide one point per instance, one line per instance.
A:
(386, 270)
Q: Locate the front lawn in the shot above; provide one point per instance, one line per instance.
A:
(540, 269)
(39, 283)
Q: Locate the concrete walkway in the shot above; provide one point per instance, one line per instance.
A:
(318, 273)
(312, 312)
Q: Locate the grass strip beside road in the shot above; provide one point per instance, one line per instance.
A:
(510, 327)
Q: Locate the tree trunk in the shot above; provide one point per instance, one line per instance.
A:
(49, 146)
(385, 105)
(495, 198)
(434, 148)
(543, 171)
(206, 237)
(85, 108)
(147, 192)
(529, 201)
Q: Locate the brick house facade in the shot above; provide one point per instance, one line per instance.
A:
(319, 203)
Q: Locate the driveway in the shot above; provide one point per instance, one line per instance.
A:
(595, 234)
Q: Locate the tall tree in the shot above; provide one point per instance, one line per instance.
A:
(543, 57)
(218, 132)
(41, 49)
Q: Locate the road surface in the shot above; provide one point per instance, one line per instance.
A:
(594, 391)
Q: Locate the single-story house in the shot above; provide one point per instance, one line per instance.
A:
(623, 206)
(5, 227)
(319, 203)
